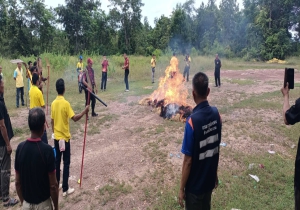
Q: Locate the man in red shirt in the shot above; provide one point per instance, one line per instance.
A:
(104, 73)
(126, 68)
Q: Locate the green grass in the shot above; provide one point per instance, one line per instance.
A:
(113, 190)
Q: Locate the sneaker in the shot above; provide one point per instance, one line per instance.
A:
(126, 90)
(94, 114)
(70, 191)
(60, 186)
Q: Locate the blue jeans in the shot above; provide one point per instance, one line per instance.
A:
(126, 78)
(45, 138)
(67, 160)
(104, 80)
(18, 92)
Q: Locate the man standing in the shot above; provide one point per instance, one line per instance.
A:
(18, 77)
(5, 151)
(291, 116)
(79, 71)
(89, 82)
(35, 167)
(104, 73)
(37, 99)
(28, 74)
(61, 112)
(187, 67)
(200, 147)
(126, 68)
(153, 64)
(174, 65)
(218, 66)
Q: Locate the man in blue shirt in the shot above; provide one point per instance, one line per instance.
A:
(200, 147)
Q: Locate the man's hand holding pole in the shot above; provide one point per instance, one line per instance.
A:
(286, 104)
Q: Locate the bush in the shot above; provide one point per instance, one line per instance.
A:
(157, 53)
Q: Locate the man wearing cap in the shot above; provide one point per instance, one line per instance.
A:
(88, 81)
(79, 70)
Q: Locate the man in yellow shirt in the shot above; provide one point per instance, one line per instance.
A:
(187, 67)
(18, 77)
(37, 99)
(153, 64)
(79, 71)
(61, 112)
(174, 65)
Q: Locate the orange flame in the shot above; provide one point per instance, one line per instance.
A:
(171, 87)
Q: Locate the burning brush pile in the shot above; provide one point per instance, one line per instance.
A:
(169, 100)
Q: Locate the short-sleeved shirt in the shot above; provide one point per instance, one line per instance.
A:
(90, 72)
(153, 63)
(188, 61)
(292, 117)
(80, 66)
(126, 63)
(4, 116)
(174, 61)
(18, 74)
(201, 141)
(36, 97)
(218, 63)
(33, 162)
(61, 113)
(104, 65)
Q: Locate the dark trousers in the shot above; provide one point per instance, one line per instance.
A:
(5, 167)
(153, 71)
(18, 92)
(198, 202)
(297, 199)
(217, 77)
(186, 72)
(104, 80)
(126, 78)
(67, 160)
(44, 137)
(92, 99)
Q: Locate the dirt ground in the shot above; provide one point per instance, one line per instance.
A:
(134, 145)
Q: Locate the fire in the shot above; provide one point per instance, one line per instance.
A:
(171, 87)
(170, 98)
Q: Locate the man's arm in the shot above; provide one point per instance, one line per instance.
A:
(77, 117)
(5, 136)
(19, 187)
(15, 74)
(53, 189)
(286, 106)
(186, 169)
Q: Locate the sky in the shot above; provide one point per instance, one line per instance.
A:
(151, 9)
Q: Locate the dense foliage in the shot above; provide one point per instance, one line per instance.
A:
(261, 30)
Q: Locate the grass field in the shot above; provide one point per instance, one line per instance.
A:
(128, 159)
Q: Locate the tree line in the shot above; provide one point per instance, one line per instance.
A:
(262, 30)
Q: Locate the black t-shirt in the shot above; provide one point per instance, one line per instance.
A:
(4, 115)
(293, 116)
(34, 161)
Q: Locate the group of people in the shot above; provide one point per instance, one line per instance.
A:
(186, 72)
(37, 165)
(81, 70)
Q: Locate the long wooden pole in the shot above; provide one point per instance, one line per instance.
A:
(48, 87)
(84, 140)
